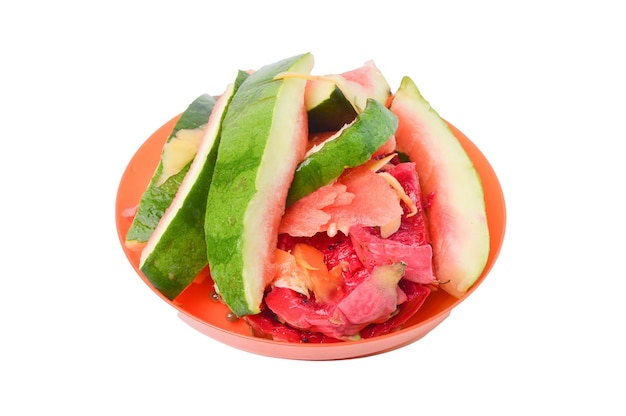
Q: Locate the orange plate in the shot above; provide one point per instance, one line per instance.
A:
(196, 307)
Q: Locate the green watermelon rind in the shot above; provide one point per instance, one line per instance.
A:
(157, 197)
(256, 151)
(354, 145)
(176, 252)
(332, 113)
(335, 100)
(456, 211)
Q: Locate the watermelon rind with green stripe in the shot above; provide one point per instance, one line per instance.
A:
(264, 136)
(456, 209)
(176, 251)
(164, 183)
(352, 146)
(335, 100)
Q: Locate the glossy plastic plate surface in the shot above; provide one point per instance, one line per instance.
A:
(197, 308)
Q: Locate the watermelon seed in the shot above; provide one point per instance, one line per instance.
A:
(231, 317)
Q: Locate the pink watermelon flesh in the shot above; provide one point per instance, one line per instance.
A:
(373, 250)
(374, 298)
(359, 196)
(416, 296)
(409, 244)
(308, 215)
(266, 325)
(413, 229)
(364, 304)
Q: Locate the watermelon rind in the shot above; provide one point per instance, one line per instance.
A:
(456, 209)
(161, 191)
(350, 147)
(333, 112)
(335, 100)
(176, 252)
(264, 135)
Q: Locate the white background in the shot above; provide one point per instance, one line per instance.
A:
(538, 86)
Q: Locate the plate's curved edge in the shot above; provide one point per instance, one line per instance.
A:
(313, 352)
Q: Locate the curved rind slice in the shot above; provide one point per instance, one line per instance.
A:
(161, 191)
(334, 100)
(350, 147)
(176, 251)
(455, 201)
(264, 136)
(333, 112)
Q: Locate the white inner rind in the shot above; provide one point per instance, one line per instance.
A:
(276, 170)
(457, 210)
(210, 135)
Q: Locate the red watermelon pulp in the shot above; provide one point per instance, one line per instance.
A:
(391, 277)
